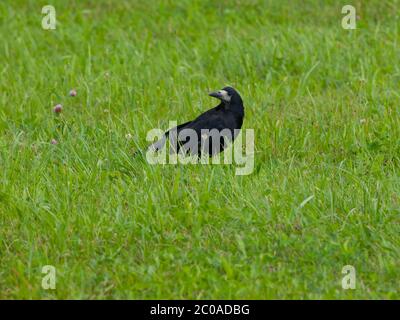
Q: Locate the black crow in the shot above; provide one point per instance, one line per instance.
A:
(211, 131)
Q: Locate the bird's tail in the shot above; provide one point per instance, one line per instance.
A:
(156, 146)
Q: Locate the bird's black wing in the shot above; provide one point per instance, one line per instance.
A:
(208, 138)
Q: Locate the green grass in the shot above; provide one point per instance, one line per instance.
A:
(324, 104)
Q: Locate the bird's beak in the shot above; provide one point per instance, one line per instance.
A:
(215, 94)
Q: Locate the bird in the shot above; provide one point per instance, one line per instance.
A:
(212, 131)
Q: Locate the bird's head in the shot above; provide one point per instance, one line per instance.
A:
(227, 95)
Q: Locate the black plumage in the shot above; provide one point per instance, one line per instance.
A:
(213, 129)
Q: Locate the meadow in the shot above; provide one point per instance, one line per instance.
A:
(324, 105)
